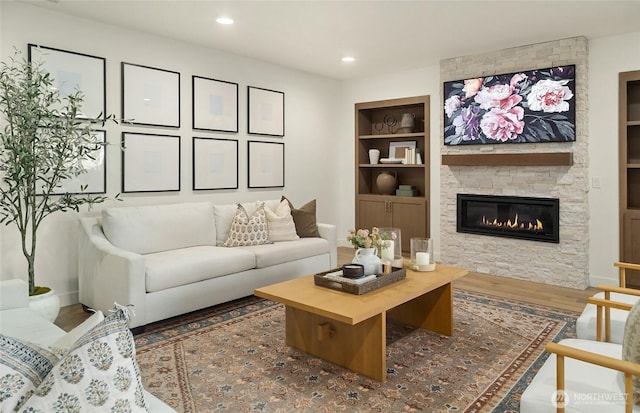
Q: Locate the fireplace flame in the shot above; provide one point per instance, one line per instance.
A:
(515, 224)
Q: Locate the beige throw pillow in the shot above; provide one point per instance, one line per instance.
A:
(246, 231)
(305, 219)
(280, 223)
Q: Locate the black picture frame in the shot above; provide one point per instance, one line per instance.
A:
(150, 96)
(150, 162)
(215, 105)
(265, 109)
(265, 163)
(214, 163)
(72, 71)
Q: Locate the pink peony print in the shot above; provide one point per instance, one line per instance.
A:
(497, 96)
(549, 96)
(471, 86)
(503, 125)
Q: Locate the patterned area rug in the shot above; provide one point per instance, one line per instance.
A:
(233, 358)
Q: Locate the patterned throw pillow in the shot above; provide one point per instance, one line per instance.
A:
(280, 223)
(631, 346)
(23, 366)
(247, 230)
(99, 374)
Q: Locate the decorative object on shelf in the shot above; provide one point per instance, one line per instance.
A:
(374, 156)
(407, 123)
(398, 149)
(391, 122)
(523, 107)
(392, 248)
(215, 104)
(386, 182)
(43, 142)
(390, 161)
(215, 163)
(422, 254)
(406, 190)
(150, 96)
(150, 162)
(265, 112)
(378, 126)
(266, 164)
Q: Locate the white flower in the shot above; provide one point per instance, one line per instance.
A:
(550, 96)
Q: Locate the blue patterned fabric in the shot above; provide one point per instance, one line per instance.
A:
(23, 366)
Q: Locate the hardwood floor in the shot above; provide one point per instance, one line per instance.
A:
(558, 297)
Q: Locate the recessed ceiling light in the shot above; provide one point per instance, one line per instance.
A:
(348, 59)
(224, 20)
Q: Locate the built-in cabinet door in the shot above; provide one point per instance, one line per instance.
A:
(632, 245)
(410, 216)
(373, 213)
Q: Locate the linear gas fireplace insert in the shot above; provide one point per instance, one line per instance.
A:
(509, 216)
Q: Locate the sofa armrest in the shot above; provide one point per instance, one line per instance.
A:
(107, 274)
(328, 232)
(14, 294)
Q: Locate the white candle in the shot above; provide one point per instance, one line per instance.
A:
(387, 252)
(422, 258)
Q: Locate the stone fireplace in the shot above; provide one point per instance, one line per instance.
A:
(562, 262)
(535, 219)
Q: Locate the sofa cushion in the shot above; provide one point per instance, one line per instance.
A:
(24, 366)
(99, 374)
(169, 269)
(224, 213)
(280, 223)
(248, 230)
(154, 228)
(305, 219)
(586, 323)
(286, 251)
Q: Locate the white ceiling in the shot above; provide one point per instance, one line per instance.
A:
(384, 36)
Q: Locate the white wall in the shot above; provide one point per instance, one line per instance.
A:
(608, 56)
(311, 141)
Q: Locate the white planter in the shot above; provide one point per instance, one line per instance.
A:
(47, 305)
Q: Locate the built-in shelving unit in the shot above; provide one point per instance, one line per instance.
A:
(409, 213)
(629, 93)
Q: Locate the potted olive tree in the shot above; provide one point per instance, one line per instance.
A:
(43, 142)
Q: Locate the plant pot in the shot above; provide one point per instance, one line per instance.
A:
(47, 305)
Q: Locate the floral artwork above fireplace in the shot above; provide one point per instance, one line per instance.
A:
(523, 107)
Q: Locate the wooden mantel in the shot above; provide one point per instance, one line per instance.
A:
(509, 159)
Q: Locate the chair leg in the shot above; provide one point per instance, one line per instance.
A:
(560, 392)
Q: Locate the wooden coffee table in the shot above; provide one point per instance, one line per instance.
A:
(350, 330)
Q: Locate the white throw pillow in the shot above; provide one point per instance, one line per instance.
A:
(64, 343)
(246, 231)
(99, 374)
(280, 223)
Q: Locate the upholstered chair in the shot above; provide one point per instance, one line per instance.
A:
(614, 329)
(589, 376)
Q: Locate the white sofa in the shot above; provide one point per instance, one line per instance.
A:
(168, 260)
(19, 321)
